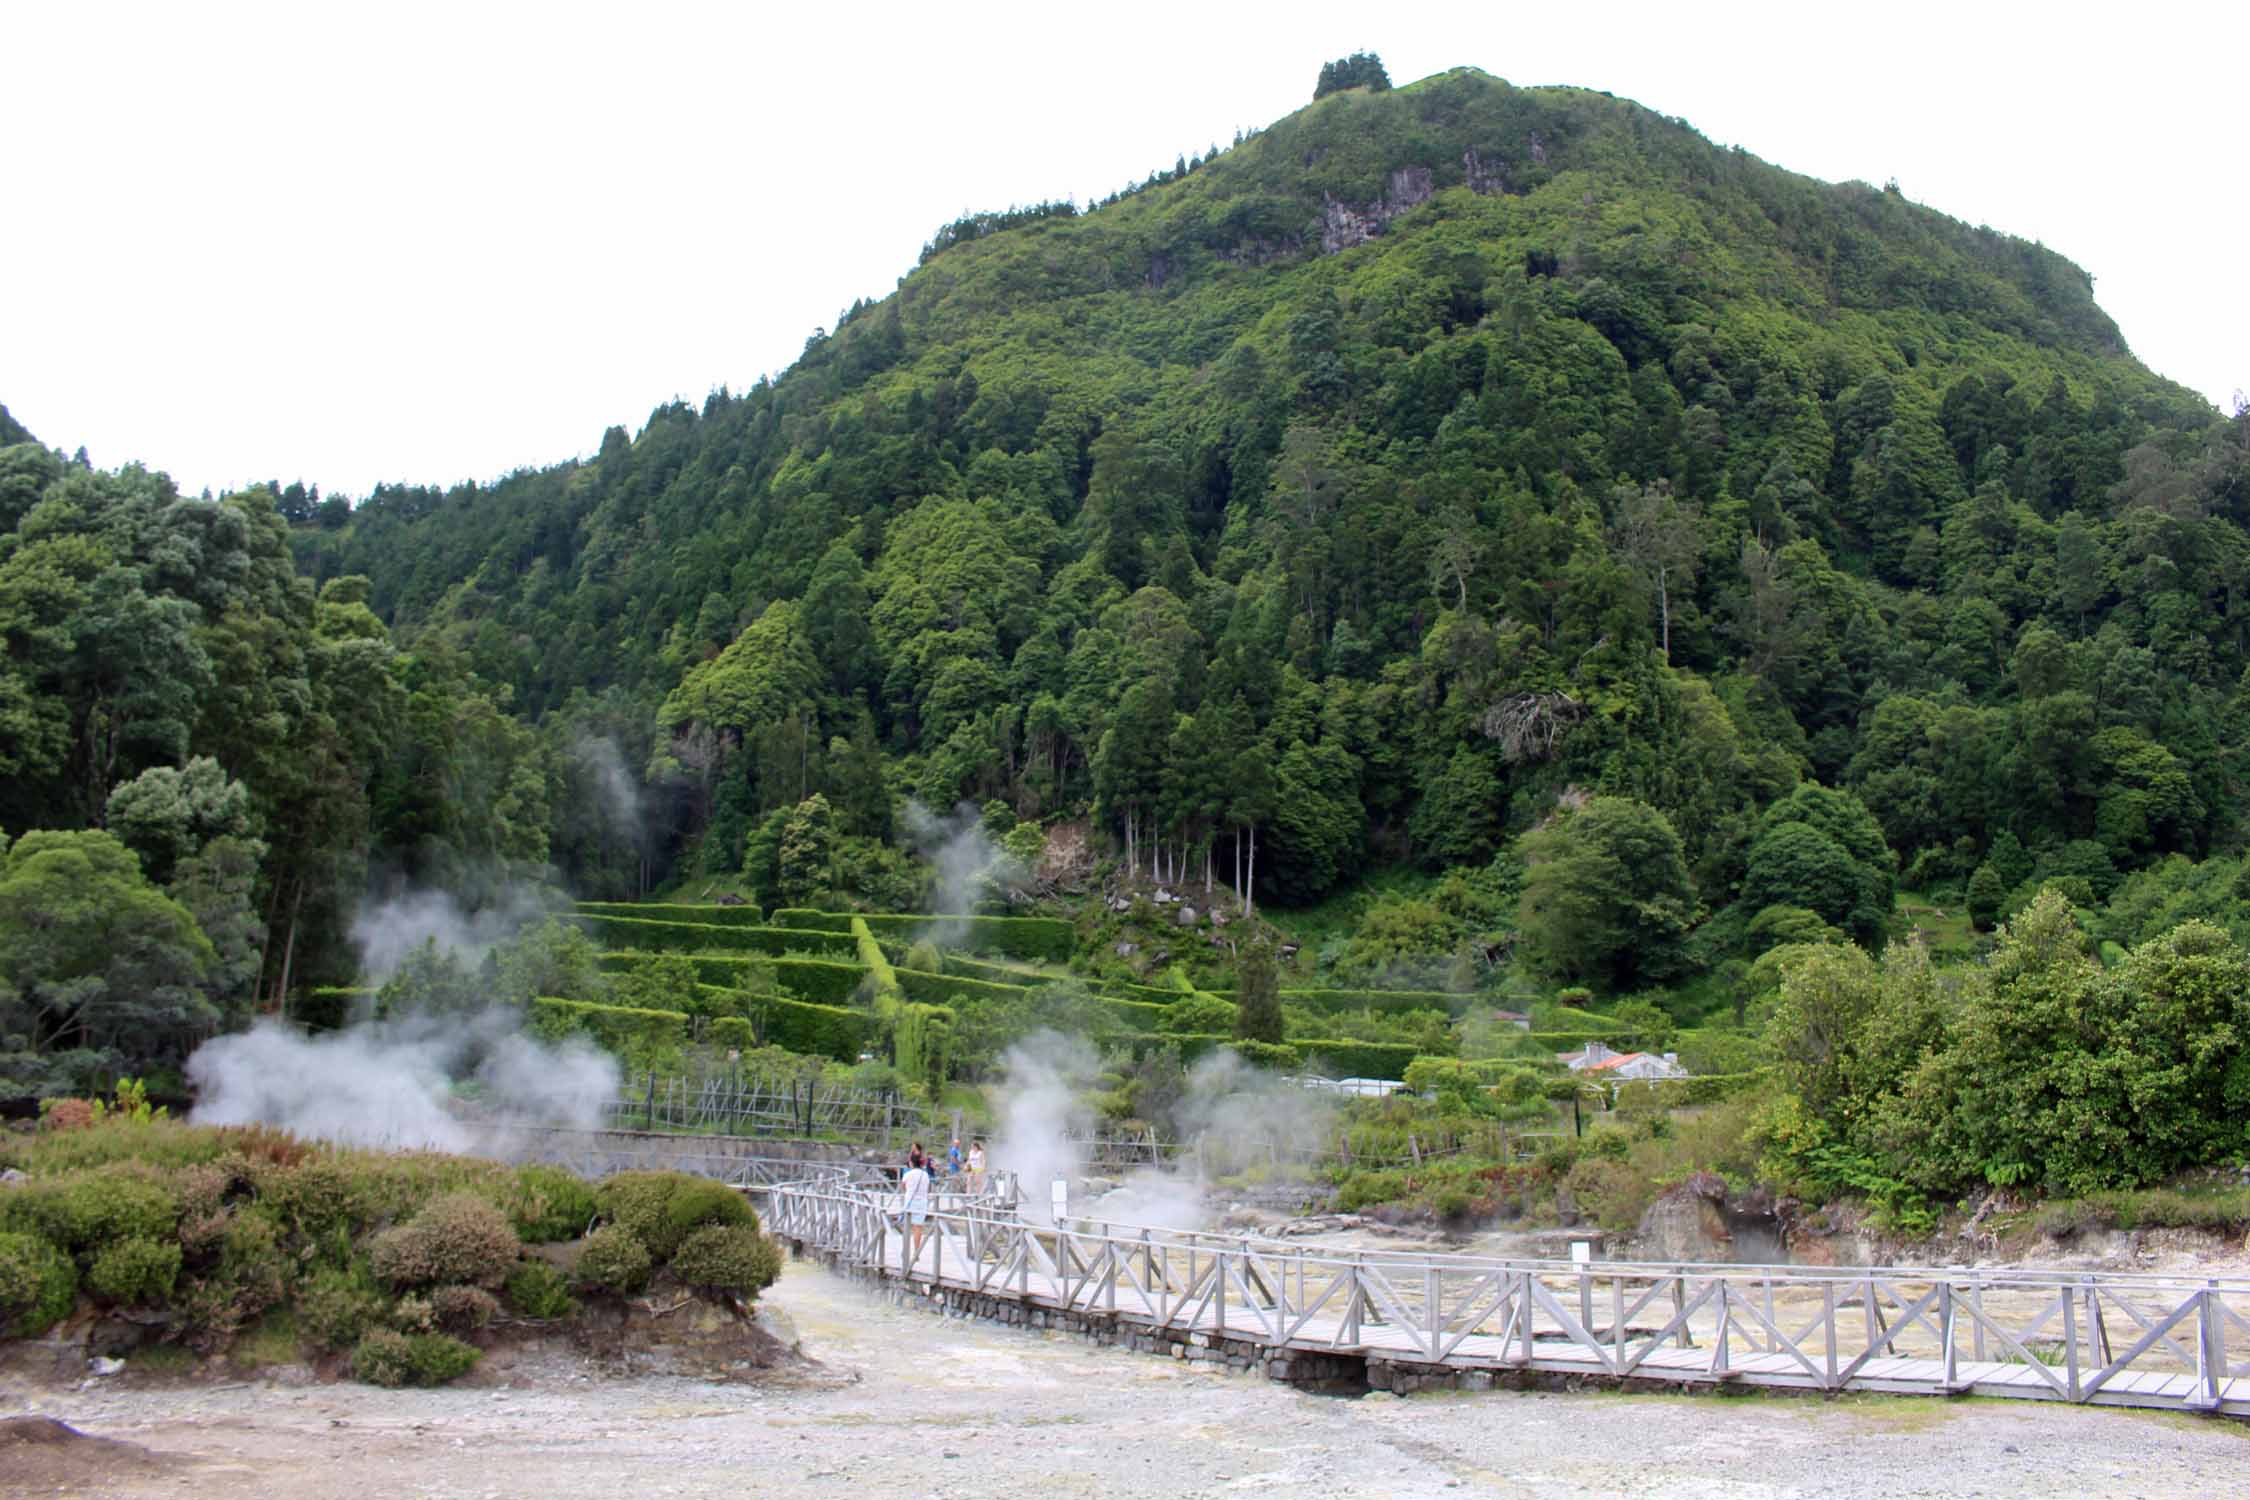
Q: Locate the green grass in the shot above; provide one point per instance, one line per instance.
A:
(272, 1340)
(1943, 926)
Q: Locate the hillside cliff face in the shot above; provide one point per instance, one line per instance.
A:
(1426, 454)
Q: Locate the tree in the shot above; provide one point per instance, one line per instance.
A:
(1257, 995)
(1985, 895)
(1606, 893)
(1658, 536)
(98, 968)
(1822, 850)
(1360, 70)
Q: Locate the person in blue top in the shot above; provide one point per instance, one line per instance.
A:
(953, 1160)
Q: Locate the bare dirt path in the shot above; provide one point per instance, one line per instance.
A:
(949, 1408)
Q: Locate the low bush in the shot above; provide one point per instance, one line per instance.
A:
(537, 1290)
(660, 1209)
(463, 1309)
(38, 1285)
(729, 1258)
(135, 1269)
(395, 1359)
(613, 1260)
(554, 1205)
(459, 1238)
(336, 1305)
(83, 1211)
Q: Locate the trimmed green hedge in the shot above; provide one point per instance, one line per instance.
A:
(643, 1038)
(969, 968)
(1348, 1059)
(1344, 1059)
(821, 981)
(707, 937)
(804, 919)
(947, 989)
(707, 912)
(876, 962)
(814, 1030)
(818, 981)
(1041, 939)
(1332, 1002)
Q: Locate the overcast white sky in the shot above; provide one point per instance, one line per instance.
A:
(431, 243)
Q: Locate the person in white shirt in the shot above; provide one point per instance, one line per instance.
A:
(914, 1191)
(976, 1167)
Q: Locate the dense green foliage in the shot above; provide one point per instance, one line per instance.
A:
(396, 1258)
(1650, 558)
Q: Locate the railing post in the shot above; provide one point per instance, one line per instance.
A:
(1945, 1322)
(2070, 1340)
(1828, 1326)
(1683, 1338)
(2211, 1345)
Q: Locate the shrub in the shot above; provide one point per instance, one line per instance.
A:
(252, 1265)
(552, 1205)
(38, 1285)
(538, 1290)
(457, 1238)
(660, 1208)
(316, 1198)
(135, 1270)
(87, 1210)
(613, 1260)
(729, 1258)
(396, 1359)
(337, 1305)
(464, 1309)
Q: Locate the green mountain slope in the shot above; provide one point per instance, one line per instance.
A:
(1429, 453)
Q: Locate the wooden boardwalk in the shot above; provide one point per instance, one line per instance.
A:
(2094, 1339)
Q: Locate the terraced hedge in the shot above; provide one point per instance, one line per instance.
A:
(1332, 1002)
(819, 981)
(708, 937)
(969, 968)
(814, 1030)
(805, 919)
(709, 913)
(1039, 939)
(1340, 1059)
(642, 1038)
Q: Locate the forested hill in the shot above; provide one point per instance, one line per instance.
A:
(1418, 418)
(1364, 490)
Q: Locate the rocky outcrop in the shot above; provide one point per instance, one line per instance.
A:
(1343, 225)
(1483, 176)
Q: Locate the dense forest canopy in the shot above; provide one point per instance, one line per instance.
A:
(1684, 553)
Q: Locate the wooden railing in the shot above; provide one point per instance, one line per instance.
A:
(2102, 1338)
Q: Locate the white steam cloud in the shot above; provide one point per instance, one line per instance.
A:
(1040, 1113)
(1232, 1117)
(966, 860)
(411, 1079)
(389, 931)
(391, 1083)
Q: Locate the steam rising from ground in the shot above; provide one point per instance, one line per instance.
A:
(965, 859)
(388, 931)
(1231, 1117)
(1040, 1112)
(390, 1082)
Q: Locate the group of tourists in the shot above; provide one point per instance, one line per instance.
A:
(963, 1174)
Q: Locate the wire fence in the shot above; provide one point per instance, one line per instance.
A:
(724, 1104)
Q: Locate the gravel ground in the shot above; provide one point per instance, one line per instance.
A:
(910, 1404)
